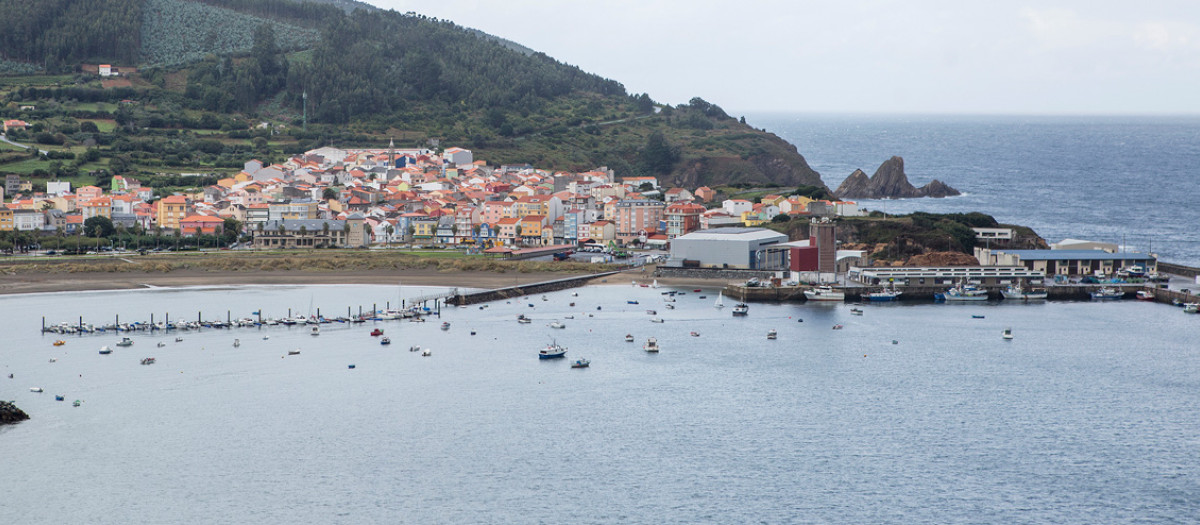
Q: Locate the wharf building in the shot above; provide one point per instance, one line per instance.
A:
(1067, 262)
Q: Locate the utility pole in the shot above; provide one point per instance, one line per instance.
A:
(305, 97)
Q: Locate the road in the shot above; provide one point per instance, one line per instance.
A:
(5, 140)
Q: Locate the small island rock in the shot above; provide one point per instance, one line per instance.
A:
(889, 182)
(9, 413)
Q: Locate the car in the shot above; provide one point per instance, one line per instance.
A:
(51, 252)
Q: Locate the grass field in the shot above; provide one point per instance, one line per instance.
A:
(105, 126)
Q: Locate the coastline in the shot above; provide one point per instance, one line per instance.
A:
(100, 281)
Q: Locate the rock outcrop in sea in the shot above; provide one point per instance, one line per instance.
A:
(889, 182)
(9, 413)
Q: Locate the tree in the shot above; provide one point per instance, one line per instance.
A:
(389, 229)
(658, 156)
(98, 226)
(782, 217)
(230, 230)
(329, 194)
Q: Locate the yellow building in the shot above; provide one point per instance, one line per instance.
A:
(169, 211)
(6, 219)
(424, 227)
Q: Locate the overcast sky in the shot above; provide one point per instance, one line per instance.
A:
(910, 56)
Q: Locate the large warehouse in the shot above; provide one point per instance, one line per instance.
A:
(746, 248)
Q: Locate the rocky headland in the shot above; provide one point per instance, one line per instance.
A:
(9, 413)
(890, 182)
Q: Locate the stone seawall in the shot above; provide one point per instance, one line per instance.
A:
(911, 293)
(1178, 269)
(710, 273)
(524, 289)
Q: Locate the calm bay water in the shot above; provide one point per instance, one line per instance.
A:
(1088, 416)
(1125, 180)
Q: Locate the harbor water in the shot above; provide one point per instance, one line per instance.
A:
(911, 413)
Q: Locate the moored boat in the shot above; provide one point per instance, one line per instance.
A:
(1007, 334)
(885, 294)
(376, 332)
(148, 361)
(556, 324)
(59, 342)
(719, 303)
(772, 334)
(294, 352)
(963, 292)
(125, 342)
(385, 341)
(628, 338)
(856, 311)
(552, 351)
(316, 330)
(581, 363)
(1018, 292)
(445, 325)
(824, 293)
(741, 309)
(104, 350)
(1106, 292)
(1143, 295)
(651, 345)
(1191, 308)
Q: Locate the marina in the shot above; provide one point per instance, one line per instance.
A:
(856, 382)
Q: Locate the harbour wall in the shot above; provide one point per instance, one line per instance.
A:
(1178, 269)
(922, 293)
(709, 273)
(463, 299)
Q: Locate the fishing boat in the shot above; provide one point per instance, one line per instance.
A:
(148, 361)
(651, 345)
(523, 320)
(977, 317)
(772, 334)
(1018, 292)
(1191, 308)
(719, 303)
(1143, 295)
(76, 403)
(376, 332)
(581, 363)
(628, 338)
(385, 341)
(59, 342)
(59, 398)
(741, 309)
(631, 302)
(105, 350)
(350, 366)
(445, 325)
(824, 293)
(963, 292)
(552, 351)
(856, 311)
(294, 352)
(125, 342)
(556, 324)
(695, 334)
(1107, 293)
(1007, 334)
(885, 294)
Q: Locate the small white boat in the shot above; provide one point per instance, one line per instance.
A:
(1007, 334)
(237, 343)
(385, 341)
(656, 320)
(741, 309)
(414, 348)
(446, 325)
(856, 311)
(523, 320)
(556, 324)
(1107, 293)
(178, 339)
(37, 389)
(148, 361)
(1191, 308)
(316, 330)
(1143, 295)
(266, 337)
(695, 334)
(1024, 294)
(161, 344)
(772, 334)
(426, 352)
(294, 352)
(628, 338)
(824, 293)
(125, 342)
(719, 303)
(670, 306)
(105, 350)
(651, 345)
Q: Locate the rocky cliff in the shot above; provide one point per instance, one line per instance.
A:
(9, 413)
(889, 182)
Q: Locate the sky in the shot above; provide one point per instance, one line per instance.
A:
(867, 56)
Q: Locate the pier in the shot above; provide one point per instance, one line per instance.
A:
(510, 292)
(1074, 292)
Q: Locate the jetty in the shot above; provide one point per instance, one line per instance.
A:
(856, 292)
(520, 290)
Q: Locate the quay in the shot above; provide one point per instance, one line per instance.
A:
(1073, 292)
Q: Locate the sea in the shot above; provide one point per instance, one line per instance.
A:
(908, 413)
(1129, 180)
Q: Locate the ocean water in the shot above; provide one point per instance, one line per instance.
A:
(1087, 416)
(1133, 181)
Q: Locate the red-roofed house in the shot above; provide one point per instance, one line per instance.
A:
(201, 224)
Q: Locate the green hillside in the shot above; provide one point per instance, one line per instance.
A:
(210, 71)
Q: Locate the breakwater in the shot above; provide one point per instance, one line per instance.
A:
(1081, 292)
(711, 273)
(498, 294)
(1178, 269)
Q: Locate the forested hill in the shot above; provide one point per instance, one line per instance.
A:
(370, 75)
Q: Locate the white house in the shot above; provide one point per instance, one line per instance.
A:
(458, 156)
(737, 207)
(58, 188)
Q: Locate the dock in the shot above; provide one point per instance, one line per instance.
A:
(500, 294)
(854, 293)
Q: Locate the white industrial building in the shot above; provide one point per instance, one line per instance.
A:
(742, 248)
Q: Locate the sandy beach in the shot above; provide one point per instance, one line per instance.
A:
(70, 282)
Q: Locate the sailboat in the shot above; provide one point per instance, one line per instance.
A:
(655, 284)
(719, 303)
